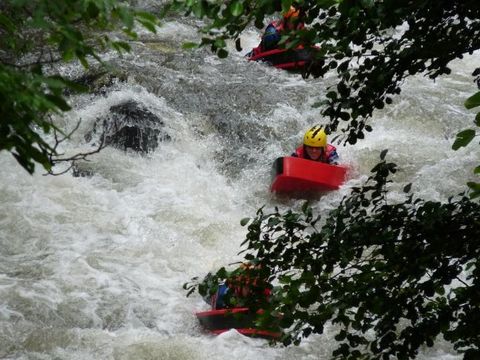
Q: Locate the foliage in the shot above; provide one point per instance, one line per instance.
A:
(466, 136)
(40, 33)
(391, 277)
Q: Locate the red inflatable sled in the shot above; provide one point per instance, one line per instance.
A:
(293, 175)
(240, 319)
(298, 59)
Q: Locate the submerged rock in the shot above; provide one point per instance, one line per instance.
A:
(131, 126)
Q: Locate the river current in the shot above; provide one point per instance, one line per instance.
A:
(92, 267)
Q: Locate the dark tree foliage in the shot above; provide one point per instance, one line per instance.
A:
(392, 277)
(35, 35)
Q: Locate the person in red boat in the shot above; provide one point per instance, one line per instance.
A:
(316, 148)
(274, 31)
(235, 291)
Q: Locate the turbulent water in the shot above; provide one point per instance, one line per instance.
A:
(92, 267)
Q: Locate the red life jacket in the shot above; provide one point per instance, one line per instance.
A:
(324, 157)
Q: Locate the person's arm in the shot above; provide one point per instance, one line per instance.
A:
(270, 38)
(333, 159)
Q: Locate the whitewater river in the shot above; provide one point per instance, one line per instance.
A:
(92, 267)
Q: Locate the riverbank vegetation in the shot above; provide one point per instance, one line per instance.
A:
(35, 37)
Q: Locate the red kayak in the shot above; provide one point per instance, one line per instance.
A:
(240, 319)
(296, 175)
(288, 59)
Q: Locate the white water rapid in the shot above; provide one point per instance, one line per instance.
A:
(93, 267)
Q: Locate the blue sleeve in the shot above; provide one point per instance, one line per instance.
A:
(270, 30)
(270, 37)
(219, 298)
(333, 158)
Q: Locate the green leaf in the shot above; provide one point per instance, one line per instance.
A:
(383, 154)
(150, 26)
(222, 53)
(238, 45)
(219, 43)
(131, 34)
(341, 335)
(477, 119)
(236, 8)
(286, 5)
(407, 188)
(189, 45)
(463, 138)
(440, 290)
(7, 24)
(126, 16)
(83, 61)
(331, 95)
(59, 102)
(244, 221)
(473, 186)
(199, 9)
(92, 10)
(54, 82)
(473, 101)
(122, 45)
(146, 16)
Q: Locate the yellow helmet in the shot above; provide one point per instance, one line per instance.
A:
(291, 13)
(315, 137)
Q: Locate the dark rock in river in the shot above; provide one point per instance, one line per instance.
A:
(131, 126)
